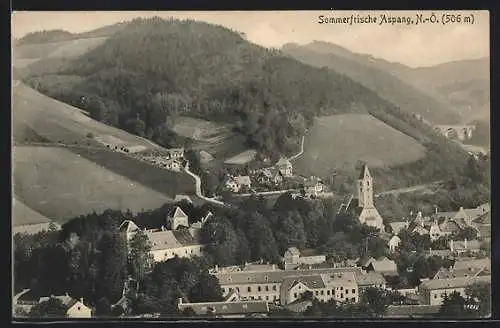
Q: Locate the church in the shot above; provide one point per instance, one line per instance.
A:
(363, 206)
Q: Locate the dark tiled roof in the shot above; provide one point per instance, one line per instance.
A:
(444, 273)
(227, 308)
(371, 278)
(311, 282)
(411, 310)
(453, 283)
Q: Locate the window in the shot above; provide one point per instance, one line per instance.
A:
(224, 307)
(322, 292)
(353, 299)
(230, 289)
(249, 289)
(238, 289)
(259, 289)
(260, 297)
(347, 291)
(341, 288)
(223, 290)
(317, 293)
(274, 288)
(328, 292)
(353, 291)
(267, 298)
(380, 285)
(435, 296)
(367, 183)
(295, 295)
(341, 295)
(274, 297)
(267, 288)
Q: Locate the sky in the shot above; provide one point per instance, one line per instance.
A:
(414, 45)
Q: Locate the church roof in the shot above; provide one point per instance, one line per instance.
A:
(365, 173)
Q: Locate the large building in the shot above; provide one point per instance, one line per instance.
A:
(363, 207)
(432, 292)
(168, 243)
(231, 309)
(270, 283)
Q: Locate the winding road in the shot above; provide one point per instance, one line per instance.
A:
(198, 188)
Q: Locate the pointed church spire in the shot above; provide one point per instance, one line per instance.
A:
(365, 173)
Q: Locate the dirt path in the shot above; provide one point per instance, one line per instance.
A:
(301, 150)
(198, 188)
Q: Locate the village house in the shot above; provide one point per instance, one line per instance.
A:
(285, 167)
(168, 243)
(371, 279)
(363, 206)
(231, 184)
(449, 273)
(393, 243)
(432, 292)
(313, 187)
(236, 183)
(292, 258)
(383, 266)
(243, 181)
(172, 164)
(232, 309)
(270, 176)
(265, 283)
(176, 153)
(341, 287)
(74, 308)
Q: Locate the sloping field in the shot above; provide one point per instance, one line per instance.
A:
(23, 215)
(60, 184)
(339, 141)
(215, 138)
(242, 158)
(60, 122)
(69, 48)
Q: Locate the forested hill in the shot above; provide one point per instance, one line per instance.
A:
(155, 69)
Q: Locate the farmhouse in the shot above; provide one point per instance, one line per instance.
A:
(293, 259)
(432, 292)
(166, 244)
(235, 309)
(74, 308)
(363, 207)
(285, 167)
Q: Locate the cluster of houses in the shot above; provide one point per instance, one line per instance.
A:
(73, 308)
(172, 160)
(272, 179)
(442, 224)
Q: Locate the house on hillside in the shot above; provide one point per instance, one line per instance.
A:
(231, 184)
(450, 273)
(363, 207)
(168, 243)
(313, 187)
(243, 181)
(74, 308)
(270, 176)
(285, 167)
(176, 153)
(172, 164)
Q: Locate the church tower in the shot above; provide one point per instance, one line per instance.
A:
(365, 188)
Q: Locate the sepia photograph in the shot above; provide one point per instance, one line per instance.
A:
(281, 165)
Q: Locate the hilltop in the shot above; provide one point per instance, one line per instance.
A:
(459, 87)
(388, 86)
(153, 71)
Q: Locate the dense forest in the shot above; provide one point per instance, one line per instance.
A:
(153, 70)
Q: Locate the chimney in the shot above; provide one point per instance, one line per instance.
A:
(451, 245)
(162, 228)
(465, 243)
(81, 300)
(274, 267)
(180, 300)
(461, 208)
(435, 209)
(216, 268)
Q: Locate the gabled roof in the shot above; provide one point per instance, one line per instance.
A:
(66, 300)
(311, 282)
(227, 308)
(453, 283)
(371, 278)
(177, 212)
(445, 273)
(283, 162)
(476, 263)
(398, 226)
(128, 226)
(384, 265)
(365, 173)
(292, 251)
(163, 240)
